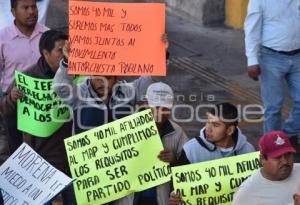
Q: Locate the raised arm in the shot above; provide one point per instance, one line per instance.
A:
(63, 83)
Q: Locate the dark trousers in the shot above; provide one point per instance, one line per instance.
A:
(1, 199)
(15, 137)
(69, 196)
(141, 199)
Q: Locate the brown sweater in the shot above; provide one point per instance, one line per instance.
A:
(51, 148)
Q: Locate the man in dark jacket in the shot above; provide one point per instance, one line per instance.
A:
(51, 148)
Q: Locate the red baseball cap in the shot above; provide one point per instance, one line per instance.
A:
(274, 144)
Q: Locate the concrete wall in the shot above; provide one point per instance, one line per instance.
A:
(207, 12)
(192, 8)
(213, 12)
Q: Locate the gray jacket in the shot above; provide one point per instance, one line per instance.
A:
(199, 149)
(88, 109)
(173, 140)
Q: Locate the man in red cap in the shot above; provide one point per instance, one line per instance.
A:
(276, 182)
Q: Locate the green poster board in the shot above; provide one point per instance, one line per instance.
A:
(214, 182)
(116, 159)
(40, 112)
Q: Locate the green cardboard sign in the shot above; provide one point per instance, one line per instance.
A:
(40, 112)
(116, 159)
(214, 182)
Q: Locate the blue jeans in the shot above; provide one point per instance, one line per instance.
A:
(276, 69)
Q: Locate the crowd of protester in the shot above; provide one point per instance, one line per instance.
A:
(273, 50)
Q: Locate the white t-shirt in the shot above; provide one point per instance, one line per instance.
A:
(261, 191)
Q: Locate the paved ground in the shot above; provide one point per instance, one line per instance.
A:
(211, 62)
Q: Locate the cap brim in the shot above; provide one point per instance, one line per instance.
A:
(282, 151)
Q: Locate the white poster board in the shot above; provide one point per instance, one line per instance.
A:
(26, 178)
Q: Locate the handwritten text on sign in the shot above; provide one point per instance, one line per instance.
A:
(214, 182)
(40, 111)
(116, 159)
(117, 38)
(27, 179)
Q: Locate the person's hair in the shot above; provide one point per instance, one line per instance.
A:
(227, 113)
(48, 39)
(264, 156)
(13, 3)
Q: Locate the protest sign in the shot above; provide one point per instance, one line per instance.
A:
(116, 159)
(27, 179)
(117, 38)
(40, 111)
(214, 182)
